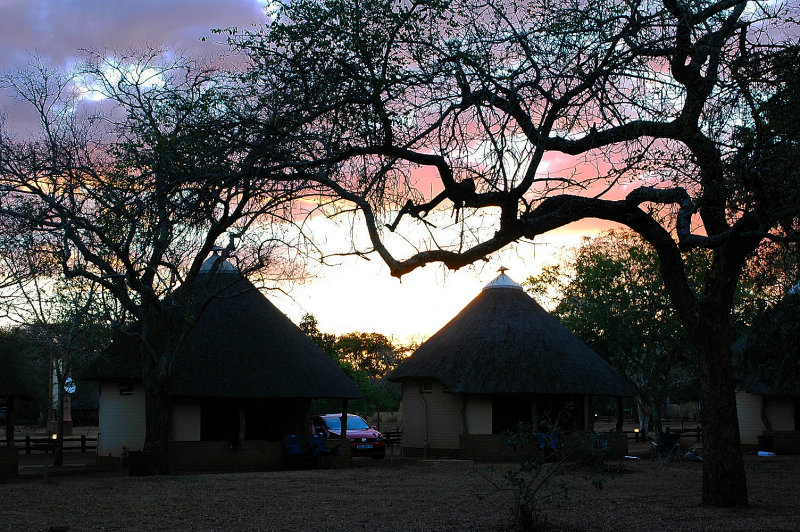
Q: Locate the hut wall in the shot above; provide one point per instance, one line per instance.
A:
(185, 423)
(121, 418)
(432, 419)
(478, 413)
(748, 406)
(781, 414)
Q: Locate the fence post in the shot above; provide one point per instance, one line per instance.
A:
(27, 444)
(83, 443)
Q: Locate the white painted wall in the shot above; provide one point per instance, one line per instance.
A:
(436, 415)
(479, 414)
(122, 420)
(748, 406)
(185, 423)
(413, 416)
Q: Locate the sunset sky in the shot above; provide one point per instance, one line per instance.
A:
(356, 295)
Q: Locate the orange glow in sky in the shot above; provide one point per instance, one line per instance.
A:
(361, 295)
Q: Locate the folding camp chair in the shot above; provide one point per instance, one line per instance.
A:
(316, 445)
(666, 447)
(293, 445)
(293, 455)
(317, 449)
(548, 446)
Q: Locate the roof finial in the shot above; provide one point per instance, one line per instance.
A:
(503, 281)
(208, 264)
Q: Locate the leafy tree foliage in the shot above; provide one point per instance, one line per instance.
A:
(611, 294)
(66, 324)
(22, 380)
(768, 354)
(366, 358)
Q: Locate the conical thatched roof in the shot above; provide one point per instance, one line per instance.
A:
(504, 342)
(241, 346)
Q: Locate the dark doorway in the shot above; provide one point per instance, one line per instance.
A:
(219, 419)
(508, 411)
(264, 419)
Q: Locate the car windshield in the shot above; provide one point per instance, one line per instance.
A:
(353, 423)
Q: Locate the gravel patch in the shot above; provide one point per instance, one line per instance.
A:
(404, 496)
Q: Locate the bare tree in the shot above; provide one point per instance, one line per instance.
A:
(65, 323)
(455, 128)
(142, 166)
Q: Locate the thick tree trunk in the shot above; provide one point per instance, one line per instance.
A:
(160, 337)
(724, 481)
(158, 409)
(707, 320)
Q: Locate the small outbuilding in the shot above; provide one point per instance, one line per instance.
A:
(501, 361)
(245, 378)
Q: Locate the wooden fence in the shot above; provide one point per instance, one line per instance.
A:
(30, 445)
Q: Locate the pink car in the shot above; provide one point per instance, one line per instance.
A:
(364, 440)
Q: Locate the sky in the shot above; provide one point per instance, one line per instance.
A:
(355, 294)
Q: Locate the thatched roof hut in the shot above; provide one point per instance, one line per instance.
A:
(245, 376)
(500, 362)
(504, 342)
(240, 346)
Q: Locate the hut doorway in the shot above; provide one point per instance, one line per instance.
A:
(508, 411)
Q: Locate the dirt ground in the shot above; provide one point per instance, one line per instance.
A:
(408, 495)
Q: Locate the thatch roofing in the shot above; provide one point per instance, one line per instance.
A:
(504, 342)
(240, 346)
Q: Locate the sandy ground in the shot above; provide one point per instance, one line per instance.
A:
(406, 495)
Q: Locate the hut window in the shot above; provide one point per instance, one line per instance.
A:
(126, 388)
(426, 386)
